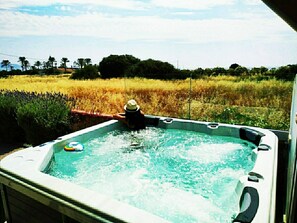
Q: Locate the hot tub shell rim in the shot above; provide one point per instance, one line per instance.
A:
(45, 153)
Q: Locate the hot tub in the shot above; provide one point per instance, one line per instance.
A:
(29, 191)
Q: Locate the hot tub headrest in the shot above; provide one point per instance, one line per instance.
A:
(250, 135)
(249, 203)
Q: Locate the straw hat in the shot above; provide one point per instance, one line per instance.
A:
(131, 106)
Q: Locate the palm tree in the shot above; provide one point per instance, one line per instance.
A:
(80, 62)
(64, 61)
(26, 64)
(5, 63)
(88, 61)
(51, 61)
(37, 64)
(22, 60)
(46, 65)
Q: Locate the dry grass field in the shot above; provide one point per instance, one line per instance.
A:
(222, 99)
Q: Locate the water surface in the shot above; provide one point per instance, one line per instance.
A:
(181, 176)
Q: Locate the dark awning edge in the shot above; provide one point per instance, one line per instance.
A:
(285, 9)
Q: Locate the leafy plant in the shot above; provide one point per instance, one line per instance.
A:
(9, 128)
(88, 72)
(33, 117)
(43, 120)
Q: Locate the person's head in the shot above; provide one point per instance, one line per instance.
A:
(131, 106)
(133, 116)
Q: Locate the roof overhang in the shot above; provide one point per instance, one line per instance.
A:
(286, 9)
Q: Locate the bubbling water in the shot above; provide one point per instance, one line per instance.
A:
(181, 176)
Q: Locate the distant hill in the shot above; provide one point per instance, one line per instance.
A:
(15, 67)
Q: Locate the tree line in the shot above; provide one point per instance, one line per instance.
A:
(48, 67)
(114, 66)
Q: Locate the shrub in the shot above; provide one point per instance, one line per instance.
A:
(9, 128)
(50, 71)
(33, 118)
(154, 69)
(3, 74)
(44, 118)
(116, 65)
(286, 73)
(88, 72)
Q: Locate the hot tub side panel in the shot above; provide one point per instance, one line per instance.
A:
(22, 208)
(25, 201)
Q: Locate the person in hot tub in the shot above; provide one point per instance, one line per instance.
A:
(133, 116)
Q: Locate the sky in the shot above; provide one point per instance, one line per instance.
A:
(188, 34)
